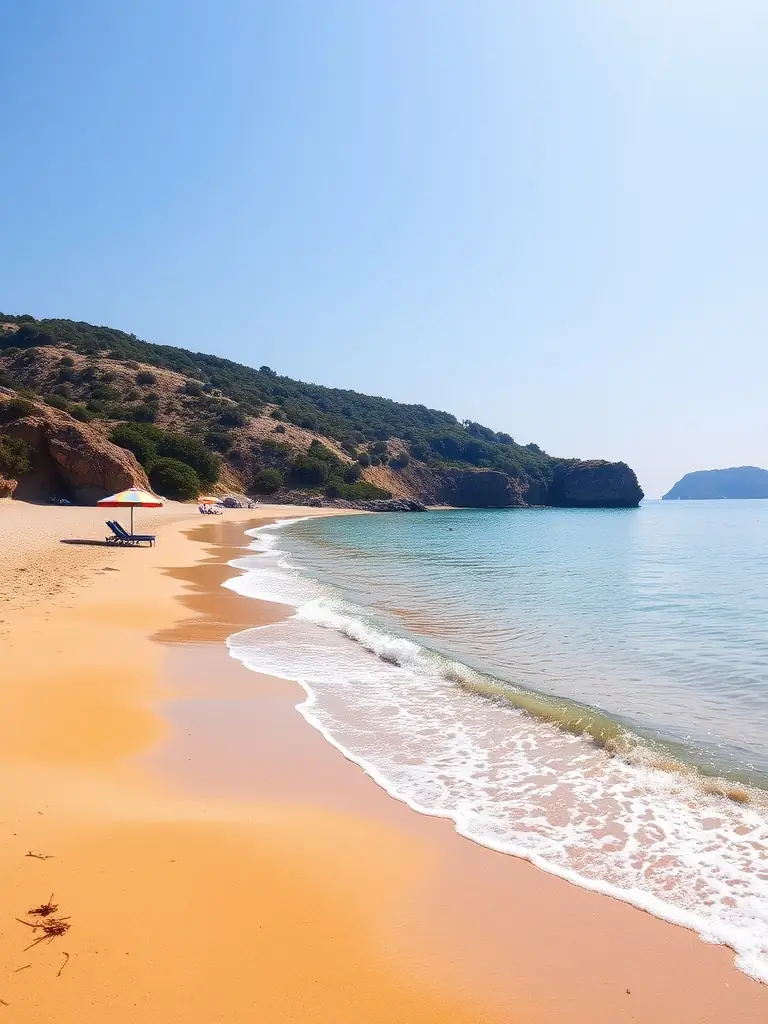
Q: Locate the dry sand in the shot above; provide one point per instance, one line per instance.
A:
(219, 862)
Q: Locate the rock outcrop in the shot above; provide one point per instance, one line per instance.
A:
(373, 505)
(7, 487)
(68, 456)
(594, 484)
(480, 488)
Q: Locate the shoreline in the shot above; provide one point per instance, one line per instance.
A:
(371, 911)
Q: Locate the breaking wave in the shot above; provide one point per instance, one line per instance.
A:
(560, 784)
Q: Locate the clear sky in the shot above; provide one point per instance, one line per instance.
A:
(550, 216)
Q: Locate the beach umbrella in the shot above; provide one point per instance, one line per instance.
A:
(133, 498)
(209, 499)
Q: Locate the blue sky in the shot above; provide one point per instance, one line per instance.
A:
(551, 216)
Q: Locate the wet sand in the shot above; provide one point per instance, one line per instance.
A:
(220, 862)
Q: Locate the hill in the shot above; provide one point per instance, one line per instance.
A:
(267, 433)
(736, 482)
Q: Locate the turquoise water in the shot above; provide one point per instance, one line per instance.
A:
(584, 688)
(657, 616)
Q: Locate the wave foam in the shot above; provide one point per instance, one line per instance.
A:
(423, 728)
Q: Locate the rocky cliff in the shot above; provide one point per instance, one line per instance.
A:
(332, 444)
(594, 484)
(67, 457)
(478, 488)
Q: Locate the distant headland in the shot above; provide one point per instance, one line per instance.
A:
(736, 482)
(88, 410)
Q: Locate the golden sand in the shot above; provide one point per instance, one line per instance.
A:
(217, 861)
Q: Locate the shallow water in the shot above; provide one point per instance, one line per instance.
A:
(580, 687)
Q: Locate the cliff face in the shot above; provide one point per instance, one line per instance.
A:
(478, 488)
(594, 484)
(69, 457)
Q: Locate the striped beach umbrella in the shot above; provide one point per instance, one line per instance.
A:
(208, 499)
(133, 498)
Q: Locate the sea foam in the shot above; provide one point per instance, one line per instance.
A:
(421, 725)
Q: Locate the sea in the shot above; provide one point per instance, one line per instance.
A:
(583, 688)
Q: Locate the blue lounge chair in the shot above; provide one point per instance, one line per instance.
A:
(116, 537)
(123, 537)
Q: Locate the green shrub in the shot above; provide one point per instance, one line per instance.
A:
(136, 440)
(364, 491)
(81, 413)
(232, 418)
(193, 388)
(16, 409)
(364, 459)
(146, 377)
(174, 479)
(279, 429)
(400, 461)
(132, 395)
(144, 413)
(66, 361)
(219, 440)
(189, 450)
(170, 445)
(309, 472)
(15, 456)
(56, 402)
(31, 336)
(375, 460)
(104, 392)
(275, 447)
(352, 473)
(277, 414)
(268, 481)
(380, 448)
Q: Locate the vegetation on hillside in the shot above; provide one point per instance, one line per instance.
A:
(177, 466)
(15, 457)
(222, 394)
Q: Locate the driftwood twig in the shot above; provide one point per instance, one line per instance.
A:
(39, 856)
(66, 961)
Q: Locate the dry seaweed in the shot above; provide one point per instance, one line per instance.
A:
(45, 909)
(51, 929)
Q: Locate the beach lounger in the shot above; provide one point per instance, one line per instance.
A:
(116, 537)
(130, 538)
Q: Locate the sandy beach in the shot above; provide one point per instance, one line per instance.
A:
(217, 861)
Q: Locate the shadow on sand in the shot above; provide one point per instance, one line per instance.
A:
(89, 541)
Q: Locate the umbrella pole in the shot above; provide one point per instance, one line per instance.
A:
(131, 520)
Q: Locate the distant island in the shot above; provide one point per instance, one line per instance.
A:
(736, 482)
